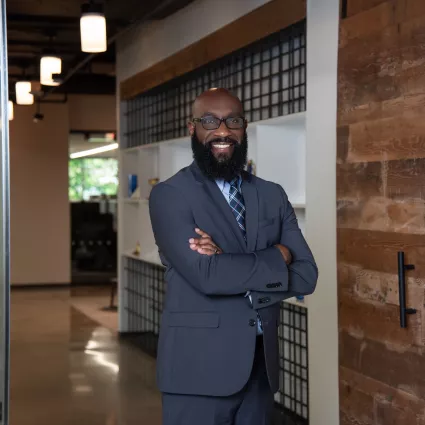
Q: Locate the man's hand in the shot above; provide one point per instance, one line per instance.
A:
(286, 254)
(204, 245)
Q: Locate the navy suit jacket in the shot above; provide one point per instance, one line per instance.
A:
(208, 327)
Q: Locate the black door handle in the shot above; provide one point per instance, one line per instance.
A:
(404, 311)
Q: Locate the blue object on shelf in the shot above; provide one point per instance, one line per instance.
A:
(300, 298)
(132, 184)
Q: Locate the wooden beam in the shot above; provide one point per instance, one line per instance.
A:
(260, 23)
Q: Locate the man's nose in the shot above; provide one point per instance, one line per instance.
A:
(222, 131)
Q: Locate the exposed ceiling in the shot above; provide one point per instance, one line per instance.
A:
(36, 25)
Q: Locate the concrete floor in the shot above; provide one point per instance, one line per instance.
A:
(68, 370)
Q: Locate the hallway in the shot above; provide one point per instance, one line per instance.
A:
(68, 370)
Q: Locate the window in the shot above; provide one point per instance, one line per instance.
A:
(92, 177)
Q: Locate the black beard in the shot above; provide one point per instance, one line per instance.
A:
(227, 168)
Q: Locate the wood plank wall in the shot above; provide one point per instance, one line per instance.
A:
(381, 209)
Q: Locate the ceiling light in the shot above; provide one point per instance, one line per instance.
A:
(23, 93)
(93, 28)
(94, 151)
(10, 110)
(50, 65)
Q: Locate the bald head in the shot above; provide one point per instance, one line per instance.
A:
(218, 101)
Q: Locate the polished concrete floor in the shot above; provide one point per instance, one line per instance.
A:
(68, 370)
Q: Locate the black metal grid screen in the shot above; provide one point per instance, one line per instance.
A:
(144, 299)
(293, 371)
(269, 77)
(145, 290)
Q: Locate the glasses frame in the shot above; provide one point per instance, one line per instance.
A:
(195, 120)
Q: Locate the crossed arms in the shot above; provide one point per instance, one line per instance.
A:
(264, 271)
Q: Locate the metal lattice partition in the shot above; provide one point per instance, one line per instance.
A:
(293, 361)
(144, 297)
(269, 77)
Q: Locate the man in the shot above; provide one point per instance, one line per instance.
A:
(232, 250)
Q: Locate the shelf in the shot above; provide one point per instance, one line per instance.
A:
(133, 150)
(296, 302)
(285, 120)
(152, 257)
(132, 256)
(298, 204)
(180, 142)
(138, 201)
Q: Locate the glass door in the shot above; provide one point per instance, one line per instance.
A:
(4, 224)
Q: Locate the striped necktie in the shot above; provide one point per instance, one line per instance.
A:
(237, 205)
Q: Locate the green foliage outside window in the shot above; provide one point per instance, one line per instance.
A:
(92, 177)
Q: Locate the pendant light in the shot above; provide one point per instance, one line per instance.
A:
(49, 65)
(23, 93)
(10, 110)
(93, 28)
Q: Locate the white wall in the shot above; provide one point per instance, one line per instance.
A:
(152, 42)
(322, 52)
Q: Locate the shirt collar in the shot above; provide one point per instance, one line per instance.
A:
(221, 182)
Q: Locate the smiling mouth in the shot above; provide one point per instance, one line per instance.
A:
(222, 146)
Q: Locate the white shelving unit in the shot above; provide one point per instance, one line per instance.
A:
(157, 160)
(277, 147)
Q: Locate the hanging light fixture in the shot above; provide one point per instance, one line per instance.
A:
(23, 93)
(49, 65)
(10, 110)
(93, 28)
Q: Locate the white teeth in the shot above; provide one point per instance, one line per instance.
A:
(222, 146)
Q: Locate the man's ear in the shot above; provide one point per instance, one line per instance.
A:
(191, 127)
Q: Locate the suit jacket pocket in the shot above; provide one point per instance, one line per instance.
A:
(193, 320)
(268, 232)
(267, 222)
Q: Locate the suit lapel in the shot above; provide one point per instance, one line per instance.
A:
(221, 203)
(250, 194)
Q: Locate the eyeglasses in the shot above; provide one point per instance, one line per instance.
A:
(210, 122)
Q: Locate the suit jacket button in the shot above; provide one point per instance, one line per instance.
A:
(252, 322)
(264, 300)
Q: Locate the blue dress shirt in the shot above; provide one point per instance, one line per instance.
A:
(224, 186)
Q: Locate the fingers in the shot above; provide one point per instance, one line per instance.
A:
(202, 233)
(207, 251)
(204, 245)
(204, 237)
(205, 241)
(285, 253)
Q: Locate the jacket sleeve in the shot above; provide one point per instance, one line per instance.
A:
(173, 225)
(302, 272)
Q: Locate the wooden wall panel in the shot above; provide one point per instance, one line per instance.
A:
(264, 21)
(381, 210)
